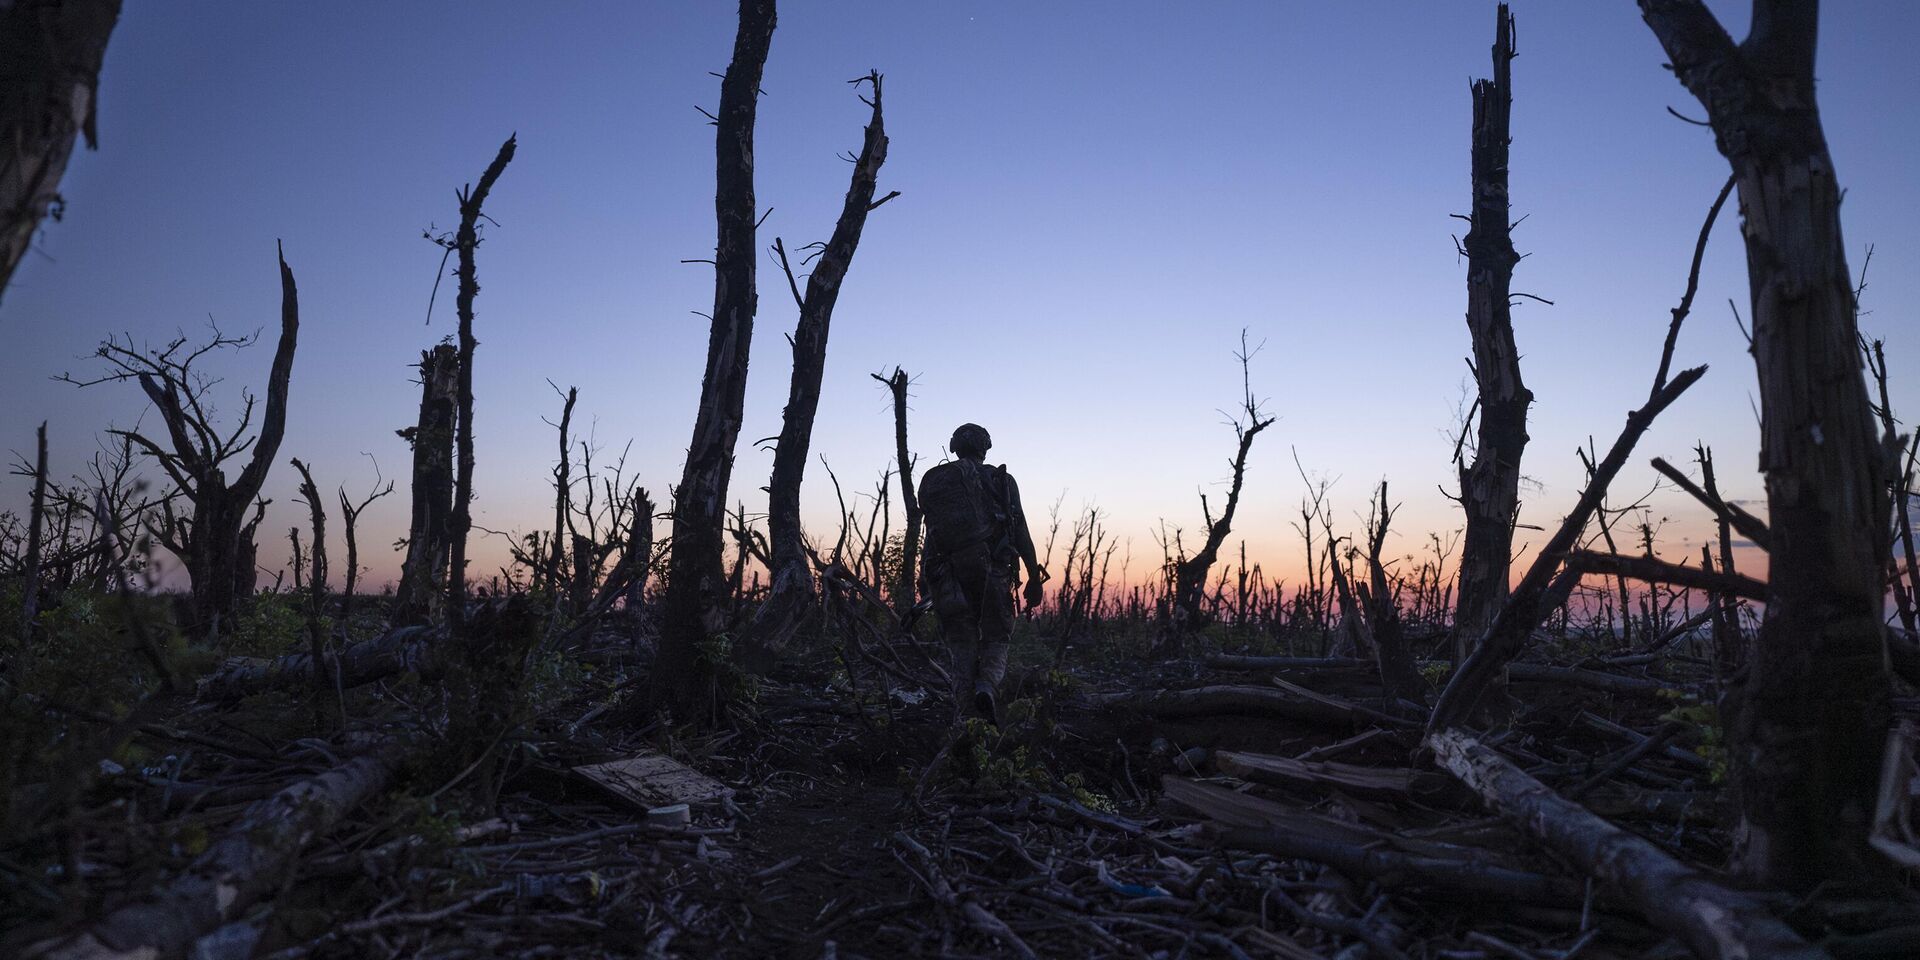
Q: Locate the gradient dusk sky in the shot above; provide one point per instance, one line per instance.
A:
(1096, 199)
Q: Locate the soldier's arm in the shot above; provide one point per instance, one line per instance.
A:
(1022, 539)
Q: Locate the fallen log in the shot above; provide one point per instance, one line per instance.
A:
(1437, 876)
(1518, 672)
(251, 859)
(400, 650)
(1652, 570)
(1712, 921)
(1366, 781)
(1241, 700)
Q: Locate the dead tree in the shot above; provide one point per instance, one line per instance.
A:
(905, 587)
(1546, 586)
(791, 584)
(216, 541)
(36, 521)
(1190, 574)
(423, 572)
(316, 588)
(1398, 674)
(349, 523)
(1490, 486)
(1808, 722)
(696, 579)
(52, 50)
(460, 522)
(562, 498)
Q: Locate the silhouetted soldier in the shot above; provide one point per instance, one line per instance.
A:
(976, 532)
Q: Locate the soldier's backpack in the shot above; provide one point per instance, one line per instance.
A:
(962, 508)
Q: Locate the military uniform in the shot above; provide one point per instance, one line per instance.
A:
(976, 534)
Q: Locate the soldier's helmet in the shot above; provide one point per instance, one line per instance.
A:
(970, 438)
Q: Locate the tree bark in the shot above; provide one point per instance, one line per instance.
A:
(791, 584)
(1490, 486)
(1806, 726)
(53, 50)
(696, 578)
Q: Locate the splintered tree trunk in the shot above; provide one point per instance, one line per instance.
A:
(792, 578)
(52, 50)
(1490, 486)
(904, 588)
(1807, 725)
(424, 571)
(460, 521)
(696, 578)
(562, 501)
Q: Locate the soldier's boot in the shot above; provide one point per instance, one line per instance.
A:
(984, 706)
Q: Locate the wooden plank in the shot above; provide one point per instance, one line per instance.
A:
(653, 779)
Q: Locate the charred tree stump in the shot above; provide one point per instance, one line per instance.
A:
(423, 572)
(791, 588)
(1806, 725)
(1490, 486)
(696, 576)
(53, 50)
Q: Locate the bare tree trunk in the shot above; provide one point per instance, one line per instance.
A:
(1490, 486)
(1807, 724)
(906, 588)
(696, 580)
(460, 523)
(52, 50)
(791, 586)
(423, 573)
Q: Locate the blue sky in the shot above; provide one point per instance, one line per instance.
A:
(1096, 199)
